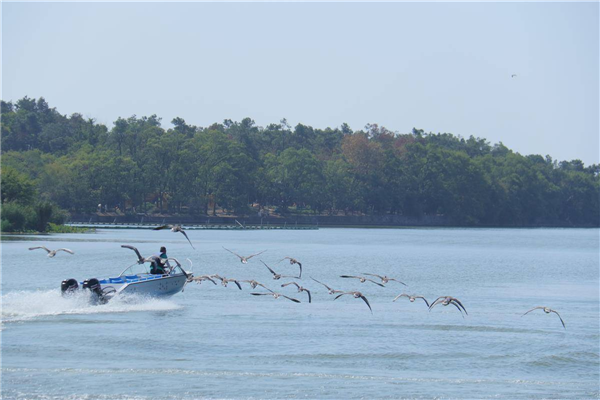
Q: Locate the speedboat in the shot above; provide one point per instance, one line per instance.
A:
(136, 279)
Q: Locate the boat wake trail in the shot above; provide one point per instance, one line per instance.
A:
(28, 305)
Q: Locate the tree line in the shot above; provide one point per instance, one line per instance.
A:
(76, 163)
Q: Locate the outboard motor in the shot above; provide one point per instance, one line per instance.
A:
(93, 285)
(68, 287)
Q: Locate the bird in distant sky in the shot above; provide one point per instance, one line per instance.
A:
(513, 75)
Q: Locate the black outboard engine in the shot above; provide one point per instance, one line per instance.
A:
(68, 287)
(93, 285)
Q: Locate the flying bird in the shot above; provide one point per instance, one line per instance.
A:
(277, 276)
(362, 279)
(225, 281)
(254, 284)
(386, 279)
(357, 295)
(446, 300)
(175, 228)
(331, 291)
(547, 311)
(275, 295)
(244, 260)
(513, 75)
(199, 279)
(300, 289)
(52, 253)
(292, 262)
(411, 298)
(141, 259)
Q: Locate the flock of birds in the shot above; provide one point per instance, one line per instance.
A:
(383, 279)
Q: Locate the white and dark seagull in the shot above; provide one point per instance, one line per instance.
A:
(356, 295)
(385, 279)
(331, 291)
(175, 228)
(292, 262)
(52, 253)
(547, 311)
(243, 259)
(300, 289)
(362, 279)
(447, 300)
(411, 297)
(277, 276)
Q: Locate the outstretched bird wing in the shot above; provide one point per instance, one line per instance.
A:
(366, 301)
(340, 295)
(460, 304)
(66, 250)
(396, 280)
(424, 299)
(561, 320)
(328, 288)
(436, 302)
(289, 298)
(186, 236)
(40, 247)
(290, 283)
(535, 308)
(249, 257)
(309, 296)
(400, 295)
(236, 282)
(273, 272)
(234, 253)
(456, 305)
(162, 227)
(140, 258)
(377, 283)
(379, 276)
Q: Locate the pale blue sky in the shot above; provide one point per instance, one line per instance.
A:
(441, 67)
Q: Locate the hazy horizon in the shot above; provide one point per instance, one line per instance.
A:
(440, 67)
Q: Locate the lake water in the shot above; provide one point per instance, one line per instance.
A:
(214, 342)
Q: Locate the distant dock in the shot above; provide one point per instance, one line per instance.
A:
(239, 227)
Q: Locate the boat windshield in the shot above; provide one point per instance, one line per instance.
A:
(144, 269)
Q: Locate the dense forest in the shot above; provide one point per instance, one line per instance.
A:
(75, 164)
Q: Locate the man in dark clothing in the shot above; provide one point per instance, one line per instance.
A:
(159, 262)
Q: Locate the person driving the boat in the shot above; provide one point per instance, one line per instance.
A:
(159, 262)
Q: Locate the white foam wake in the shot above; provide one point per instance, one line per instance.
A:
(27, 305)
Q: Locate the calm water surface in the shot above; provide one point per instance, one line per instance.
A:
(214, 342)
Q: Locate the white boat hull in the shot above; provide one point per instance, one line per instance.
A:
(165, 286)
